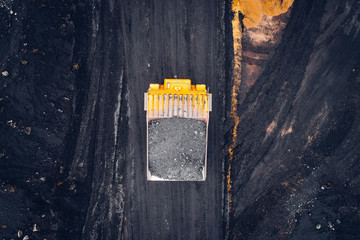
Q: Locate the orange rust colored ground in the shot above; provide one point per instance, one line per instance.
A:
(237, 34)
(275, 7)
(253, 9)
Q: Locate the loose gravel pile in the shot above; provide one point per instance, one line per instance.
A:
(177, 148)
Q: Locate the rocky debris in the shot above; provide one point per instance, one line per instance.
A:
(177, 148)
(35, 229)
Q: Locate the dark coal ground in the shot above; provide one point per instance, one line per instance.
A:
(73, 132)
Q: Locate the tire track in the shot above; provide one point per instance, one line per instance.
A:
(204, 223)
(130, 168)
(162, 41)
(169, 210)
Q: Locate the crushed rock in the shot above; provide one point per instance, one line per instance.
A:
(177, 148)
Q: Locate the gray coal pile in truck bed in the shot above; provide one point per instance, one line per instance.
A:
(177, 148)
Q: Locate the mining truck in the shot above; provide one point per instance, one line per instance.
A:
(177, 120)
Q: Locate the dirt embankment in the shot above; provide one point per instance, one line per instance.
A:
(296, 165)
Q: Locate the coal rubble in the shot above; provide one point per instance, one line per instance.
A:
(177, 148)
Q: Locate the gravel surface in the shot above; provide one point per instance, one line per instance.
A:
(177, 148)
